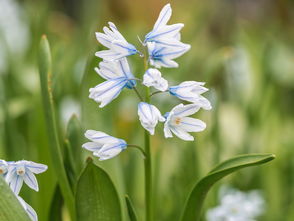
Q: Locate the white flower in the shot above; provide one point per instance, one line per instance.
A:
(30, 211)
(237, 206)
(191, 91)
(162, 55)
(178, 122)
(152, 77)
(149, 116)
(3, 168)
(118, 76)
(103, 145)
(163, 33)
(117, 44)
(24, 171)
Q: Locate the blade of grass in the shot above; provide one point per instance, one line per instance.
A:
(48, 104)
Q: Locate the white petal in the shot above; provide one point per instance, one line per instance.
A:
(169, 63)
(163, 17)
(152, 77)
(109, 151)
(123, 47)
(16, 183)
(30, 180)
(92, 146)
(167, 132)
(192, 125)
(185, 110)
(167, 31)
(103, 39)
(109, 55)
(107, 91)
(30, 211)
(181, 133)
(36, 167)
(109, 70)
(117, 34)
(100, 137)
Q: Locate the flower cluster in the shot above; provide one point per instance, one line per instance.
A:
(163, 45)
(237, 206)
(15, 173)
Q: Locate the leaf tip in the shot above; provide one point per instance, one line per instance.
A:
(89, 160)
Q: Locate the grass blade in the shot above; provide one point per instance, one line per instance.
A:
(131, 209)
(194, 203)
(48, 104)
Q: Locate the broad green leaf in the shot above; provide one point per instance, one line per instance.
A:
(194, 203)
(96, 197)
(48, 104)
(131, 209)
(10, 208)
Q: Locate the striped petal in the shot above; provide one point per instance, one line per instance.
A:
(30, 179)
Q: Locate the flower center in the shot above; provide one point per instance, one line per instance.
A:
(1, 171)
(20, 171)
(177, 120)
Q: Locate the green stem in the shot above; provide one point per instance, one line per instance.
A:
(138, 148)
(148, 163)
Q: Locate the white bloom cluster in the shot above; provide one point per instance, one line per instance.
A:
(15, 173)
(163, 44)
(237, 206)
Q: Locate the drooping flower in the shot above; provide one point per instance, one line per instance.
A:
(162, 55)
(178, 122)
(163, 33)
(103, 145)
(152, 77)
(3, 168)
(149, 116)
(117, 75)
(24, 171)
(117, 44)
(237, 206)
(30, 211)
(191, 91)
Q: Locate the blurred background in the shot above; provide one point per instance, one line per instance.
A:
(243, 49)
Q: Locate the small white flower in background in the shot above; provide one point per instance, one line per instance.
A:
(152, 77)
(237, 206)
(117, 75)
(24, 171)
(161, 55)
(103, 145)
(30, 211)
(191, 91)
(163, 33)
(178, 122)
(149, 116)
(3, 168)
(117, 44)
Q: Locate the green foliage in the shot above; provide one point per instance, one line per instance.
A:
(10, 207)
(131, 209)
(48, 103)
(96, 197)
(194, 204)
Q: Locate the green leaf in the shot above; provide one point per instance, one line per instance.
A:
(194, 203)
(10, 208)
(96, 197)
(48, 104)
(131, 209)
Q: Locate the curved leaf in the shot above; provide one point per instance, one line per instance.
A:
(96, 197)
(10, 208)
(194, 203)
(131, 209)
